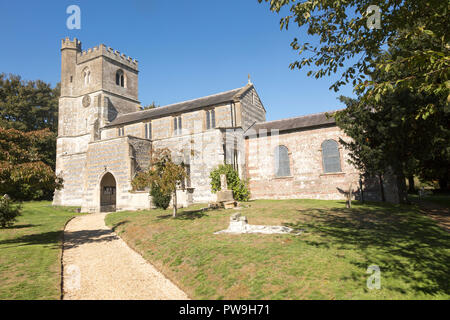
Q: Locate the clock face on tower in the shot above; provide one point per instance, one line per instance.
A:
(86, 101)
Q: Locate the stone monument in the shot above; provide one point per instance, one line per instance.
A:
(239, 224)
(225, 196)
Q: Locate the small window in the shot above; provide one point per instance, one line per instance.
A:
(121, 132)
(86, 76)
(210, 119)
(71, 79)
(177, 126)
(331, 157)
(148, 130)
(120, 78)
(282, 165)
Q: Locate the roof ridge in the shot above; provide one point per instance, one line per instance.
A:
(296, 117)
(172, 104)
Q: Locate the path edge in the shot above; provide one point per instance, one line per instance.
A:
(132, 249)
(61, 297)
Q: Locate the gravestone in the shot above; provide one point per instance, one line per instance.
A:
(224, 196)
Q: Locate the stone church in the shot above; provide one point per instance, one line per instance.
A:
(104, 139)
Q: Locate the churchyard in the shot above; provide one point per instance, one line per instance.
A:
(329, 259)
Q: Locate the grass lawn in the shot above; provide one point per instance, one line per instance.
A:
(328, 261)
(30, 253)
(439, 199)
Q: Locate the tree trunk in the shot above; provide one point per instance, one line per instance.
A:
(411, 187)
(401, 186)
(174, 203)
(383, 198)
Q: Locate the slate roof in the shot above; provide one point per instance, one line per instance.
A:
(211, 100)
(308, 121)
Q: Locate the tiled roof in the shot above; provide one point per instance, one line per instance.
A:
(307, 121)
(180, 107)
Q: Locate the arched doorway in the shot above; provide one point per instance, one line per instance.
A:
(108, 193)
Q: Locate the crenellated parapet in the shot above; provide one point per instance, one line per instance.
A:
(71, 44)
(102, 50)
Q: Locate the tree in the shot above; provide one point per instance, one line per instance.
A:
(239, 187)
(8, 211)
(31, 106)
(153, 105)
(163, 173)
(23, 174)
(28, 105)
(387, 136)
(345, 36)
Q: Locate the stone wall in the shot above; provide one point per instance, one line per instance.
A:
(116, 157)
(307, 179)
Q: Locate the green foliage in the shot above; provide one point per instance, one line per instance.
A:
(421, 27)
(31, 106)
(159, 199)
(23, 173)
(239, 187)
(8, 211)
(163, 173)
(153, 105)
(28, 105)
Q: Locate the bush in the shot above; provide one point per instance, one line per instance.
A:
(8, 211)
(159, 199)
(239, 187)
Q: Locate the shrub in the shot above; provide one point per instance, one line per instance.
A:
(159, 199)
(238, 186)
(8, 211)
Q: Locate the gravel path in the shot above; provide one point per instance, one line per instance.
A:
(99, 265)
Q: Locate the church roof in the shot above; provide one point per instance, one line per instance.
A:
(184, 106)
(308, 121)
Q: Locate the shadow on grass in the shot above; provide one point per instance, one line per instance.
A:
(186, 215)
(121, 223)
(52, 239)
(46, 238)
(407, 245)
(22, 226)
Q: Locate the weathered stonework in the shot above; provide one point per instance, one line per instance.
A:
(104, 139)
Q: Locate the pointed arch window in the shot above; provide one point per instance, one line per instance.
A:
(120, 78)
(86, 76)
(282, 163)
(331, 157)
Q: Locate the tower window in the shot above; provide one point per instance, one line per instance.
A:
(177, 127)
(148, 130)
(210, 119)
(86, 76)
(120, 78)
(120, 132)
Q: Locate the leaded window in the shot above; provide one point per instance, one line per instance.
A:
(282, 164)
(210, 119)
(331, 157)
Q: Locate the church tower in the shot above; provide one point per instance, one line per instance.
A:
(97, 85)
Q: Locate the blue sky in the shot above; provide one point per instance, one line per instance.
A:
(186, 49)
